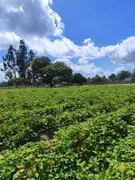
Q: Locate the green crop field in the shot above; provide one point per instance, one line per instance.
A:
(73, 133)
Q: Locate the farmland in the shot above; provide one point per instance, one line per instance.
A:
(74, 133)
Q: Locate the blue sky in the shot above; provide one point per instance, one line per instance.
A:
(58, 29)
(105, 21)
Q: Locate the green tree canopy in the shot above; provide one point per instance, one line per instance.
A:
(56, 73)
(112, 77)
(37, 66)
(123, 75)
(78, 78)
(22, 59)
(97, 79)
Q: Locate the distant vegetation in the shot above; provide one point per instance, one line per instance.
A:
(75, 133)
(22, 67)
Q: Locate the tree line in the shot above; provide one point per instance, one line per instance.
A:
(122, 76)
(22, 67)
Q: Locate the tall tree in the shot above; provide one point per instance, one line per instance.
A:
(9, 64)
(29, 74)
(16, 63)
(31, 56)
(22, 59)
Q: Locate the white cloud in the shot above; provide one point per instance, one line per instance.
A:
(61, 47)
(88, 69)
(119, 69)
(83, 61)
(122, 53)
(30, 18)
(15, 10)
(87, 41)
(64, 47)
(8, 38)
(38, 23)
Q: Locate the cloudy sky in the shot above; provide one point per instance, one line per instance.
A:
(91, 36)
